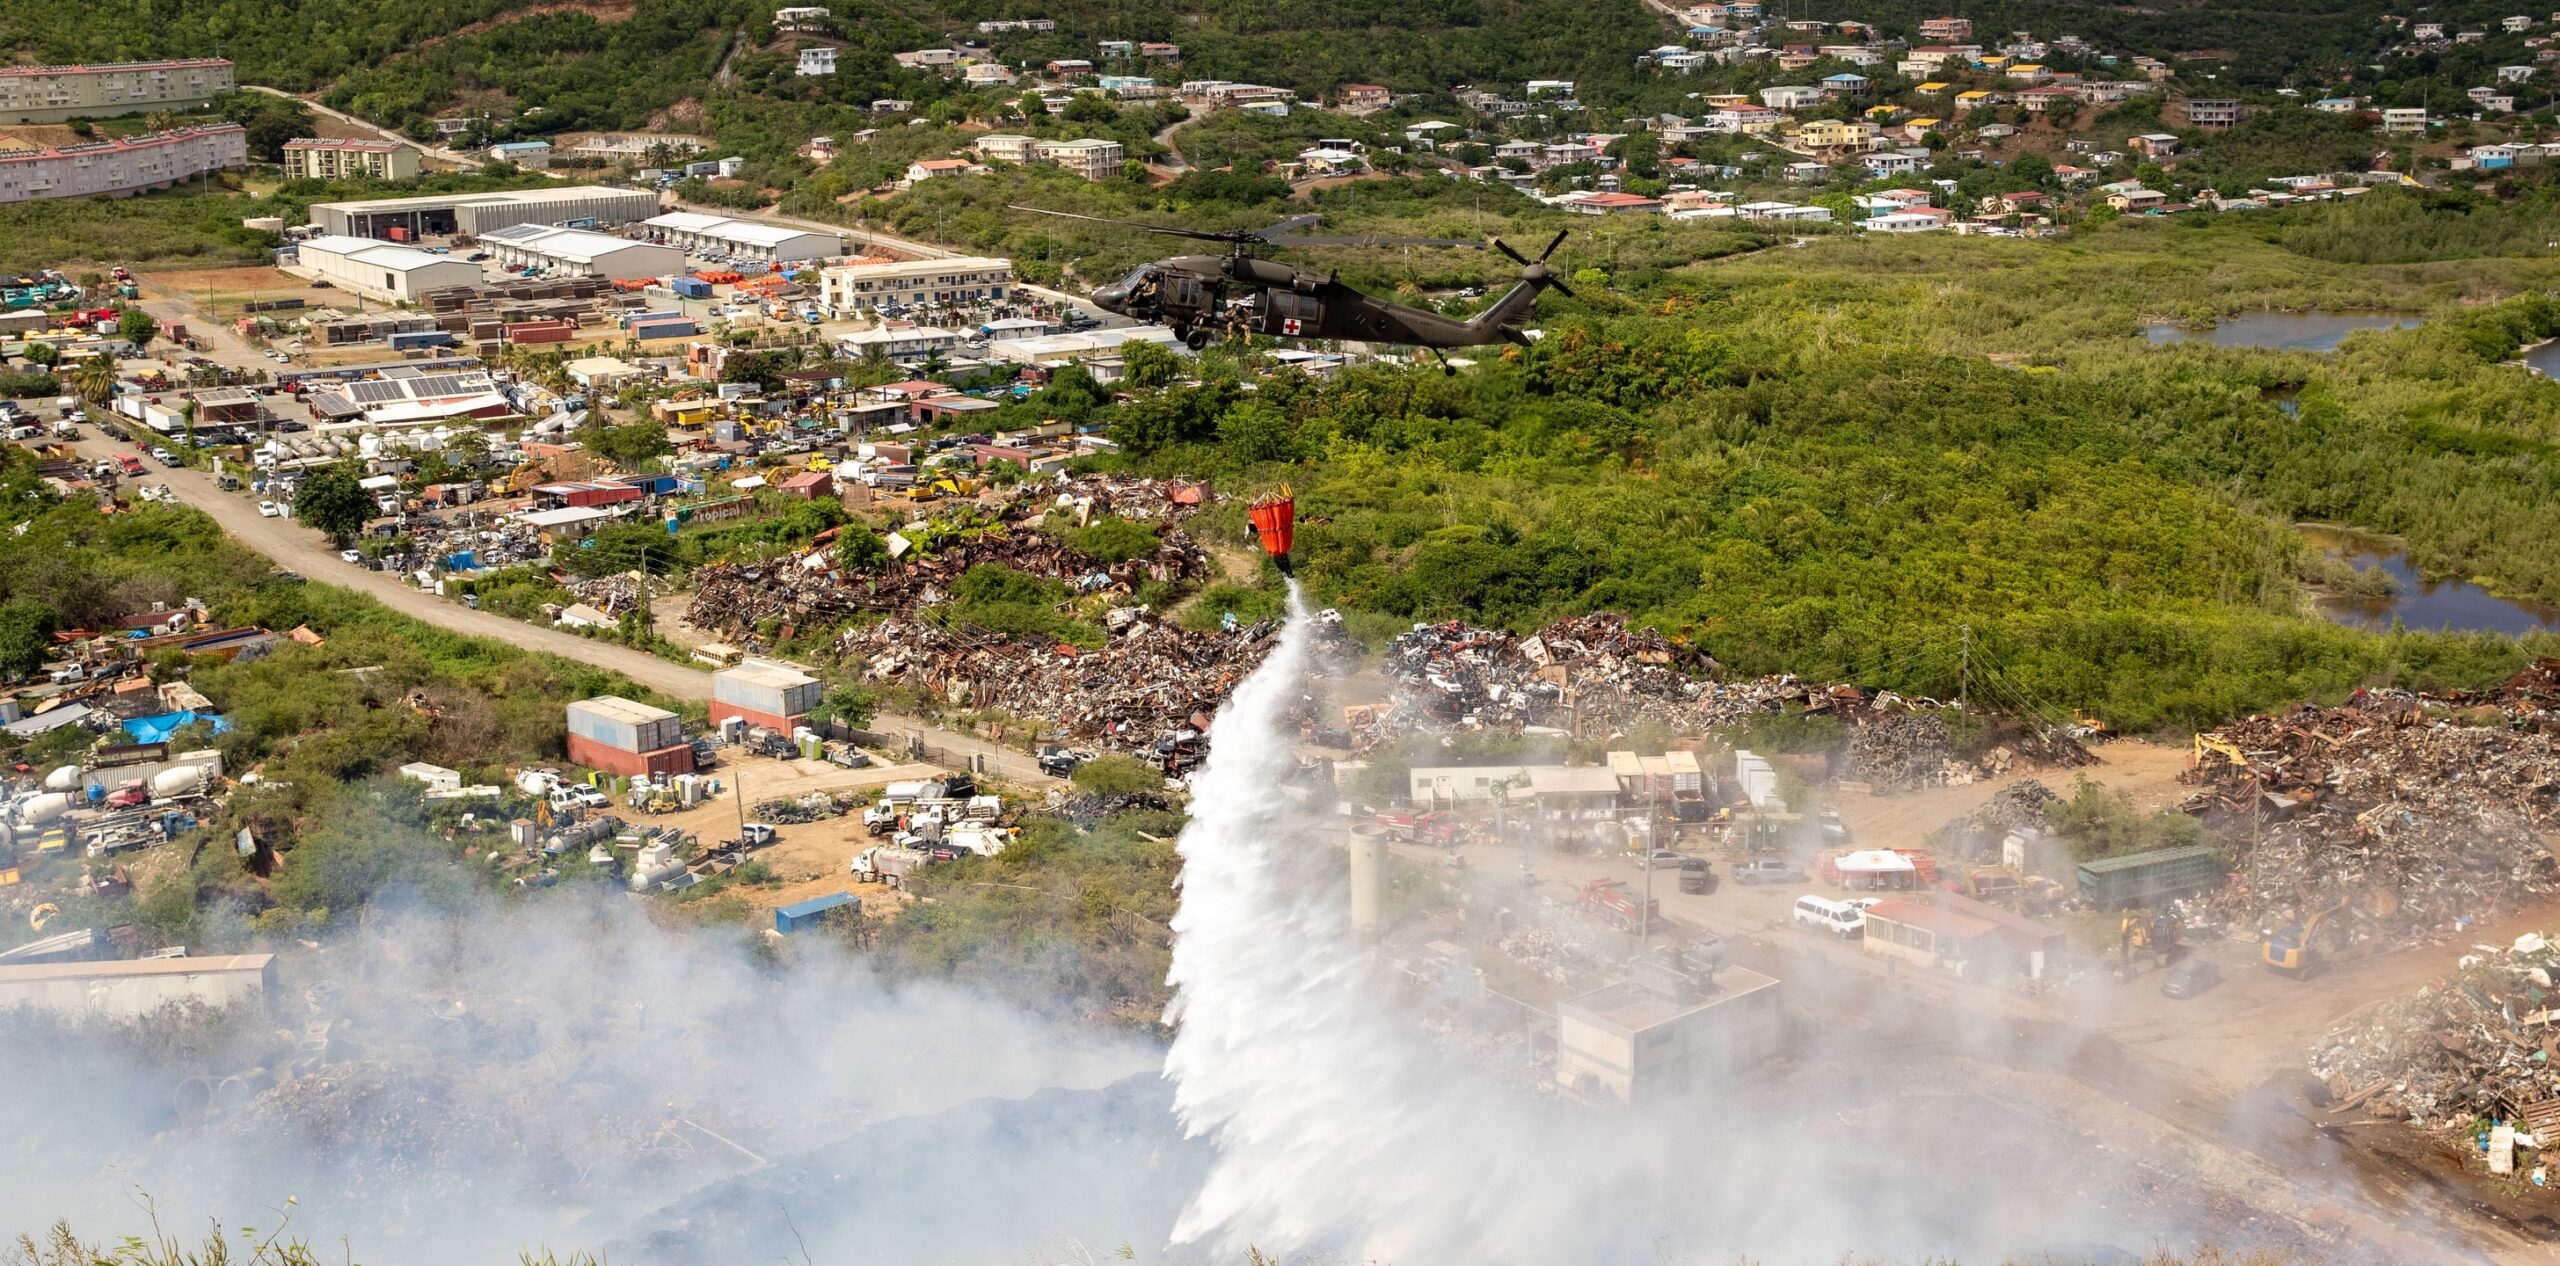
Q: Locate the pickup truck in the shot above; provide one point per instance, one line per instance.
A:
(1768, 870)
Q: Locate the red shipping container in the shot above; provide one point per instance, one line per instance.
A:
(613, 760)
(778, 724)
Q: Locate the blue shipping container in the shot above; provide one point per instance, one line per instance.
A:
(692, 287)
(810, 913)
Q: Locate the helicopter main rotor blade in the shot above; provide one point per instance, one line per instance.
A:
(1290, 225)
(1505, 248)
(1372, 241)
(1551, 246)
(1561, 288)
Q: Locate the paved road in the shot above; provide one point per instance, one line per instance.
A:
(437, 152)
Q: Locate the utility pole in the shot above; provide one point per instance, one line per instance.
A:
(1964, 665)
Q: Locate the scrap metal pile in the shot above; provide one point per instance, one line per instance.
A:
(2422, 814)
(2482, 1042)
(734, 598)
(1149, 677)
(1594, 675)
(1591, 669)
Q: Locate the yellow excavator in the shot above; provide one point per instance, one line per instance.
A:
(2213, 745)
(2290, 949)
(2142, 933)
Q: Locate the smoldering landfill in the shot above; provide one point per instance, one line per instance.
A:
(2407, 817)
(1152, 677)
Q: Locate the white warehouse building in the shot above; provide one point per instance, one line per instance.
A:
(580, 253)
(906, 283)
(741, 239)
(380, 270)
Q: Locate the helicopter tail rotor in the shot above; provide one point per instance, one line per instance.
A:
(1535, 271)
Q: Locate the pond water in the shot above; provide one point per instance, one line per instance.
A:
(2293, 331)
(2545, 359)
(2457, 605)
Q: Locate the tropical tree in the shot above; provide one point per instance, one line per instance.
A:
(333, 500)
(95, 379)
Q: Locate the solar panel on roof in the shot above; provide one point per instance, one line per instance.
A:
(373, 393)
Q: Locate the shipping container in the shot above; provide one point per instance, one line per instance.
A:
(662, 763)
(769, 689)
(2140, 879)
(681, 327)
(815, 912)
(691, 287)
(624, 725)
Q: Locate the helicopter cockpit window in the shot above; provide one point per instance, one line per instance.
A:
(1137, 277)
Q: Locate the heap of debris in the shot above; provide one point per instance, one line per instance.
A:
(2484, 1042)
(1592, 670)
(1087, 810)
(2414, 816)
(1594, 675)
(1905, 750)
(612, 595)
(1980, 836)
(1150, 677)
(734, 598)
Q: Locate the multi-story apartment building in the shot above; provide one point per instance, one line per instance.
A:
(849, 288)
(54, 94)
(115, 169)
(1947, 29)
(334, 158)
(1093, 160)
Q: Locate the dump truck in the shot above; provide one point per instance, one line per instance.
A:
(1612, 900)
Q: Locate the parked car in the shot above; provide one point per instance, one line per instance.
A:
(270, 510)
(1666, 858)
(2190, 978)
(164, 457)
(350, 556)
(1822, 914)
(1696, 876)
(1768, 870)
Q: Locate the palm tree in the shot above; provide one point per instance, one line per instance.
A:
(95, 379)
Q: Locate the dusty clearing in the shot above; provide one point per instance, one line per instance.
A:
(811, 857)
(2146, 771)
(600, 10)
(221, 293)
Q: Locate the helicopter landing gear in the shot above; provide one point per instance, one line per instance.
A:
(1195, 339)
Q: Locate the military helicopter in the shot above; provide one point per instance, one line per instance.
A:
(1208, 296)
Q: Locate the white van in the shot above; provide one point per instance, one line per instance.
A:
(1840, 918)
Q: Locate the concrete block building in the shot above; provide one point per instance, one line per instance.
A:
(57, 94)
(119, 168)
(335, 158)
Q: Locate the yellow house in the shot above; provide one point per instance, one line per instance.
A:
(1833, 134)
(1971, 100)
(1883, 111)
(2029, 72)
(1995, 62)
(1933, 87)
(1917, 128)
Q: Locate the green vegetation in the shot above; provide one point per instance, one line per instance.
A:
(2096, 822)
(1806, 464)
(1117, 775)
(1060, 921)
(1005, 600)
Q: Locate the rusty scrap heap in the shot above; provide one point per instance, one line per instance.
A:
(2418, 812)
(1149, 677)
(1592, 669)
(2482, 1042)
(735, 598)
